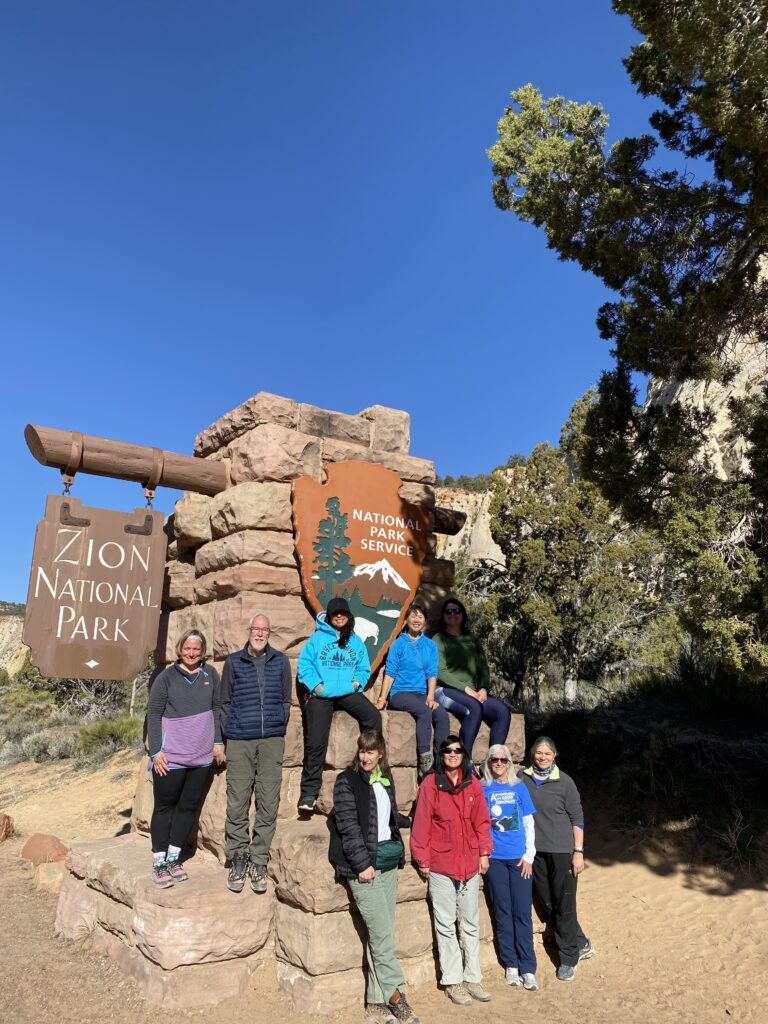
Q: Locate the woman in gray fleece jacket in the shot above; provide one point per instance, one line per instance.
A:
(559, 860)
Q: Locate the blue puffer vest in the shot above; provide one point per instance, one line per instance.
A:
(249, 718)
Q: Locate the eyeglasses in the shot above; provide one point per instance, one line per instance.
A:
(453, 750)
(499, 760)
(264, 630)
(452, 611)
(340, 615)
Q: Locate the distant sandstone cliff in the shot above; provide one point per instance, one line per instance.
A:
(12, 650)
(725, 447)
(474, 541)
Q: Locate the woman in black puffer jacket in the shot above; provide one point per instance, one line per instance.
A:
(366, 851)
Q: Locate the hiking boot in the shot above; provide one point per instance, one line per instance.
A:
(161, 876)
(512, 976)
(426, 764)
(378, 1013)
(306, 804)
(176, 871)
(586, 951)
(400, 1010)
(566, 972)
(458, 994)
(259, 878)
(477, 991)
(237, 872)
(530, 983)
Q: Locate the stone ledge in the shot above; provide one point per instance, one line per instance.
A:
(261, 408)
(407, 467)
(253, 577)
(324, 423)
(273, 452)
(266, 546)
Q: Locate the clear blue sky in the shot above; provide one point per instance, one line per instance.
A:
(201, 201)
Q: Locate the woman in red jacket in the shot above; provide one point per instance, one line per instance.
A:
(450, 844)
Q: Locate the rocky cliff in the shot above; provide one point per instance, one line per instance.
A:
(725, 447)
(474, 541)
(12, 650)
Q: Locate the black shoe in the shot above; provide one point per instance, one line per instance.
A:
(306, 804)
(258, 878)
(237, 872)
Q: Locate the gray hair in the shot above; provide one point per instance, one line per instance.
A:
(543, 741)
(498, 749)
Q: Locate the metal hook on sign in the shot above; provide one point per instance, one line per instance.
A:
(75, 457)
(158, 462)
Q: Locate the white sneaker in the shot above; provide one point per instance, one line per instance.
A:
(530, 983)
(512, 976)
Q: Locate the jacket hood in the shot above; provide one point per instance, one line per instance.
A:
(322, 626)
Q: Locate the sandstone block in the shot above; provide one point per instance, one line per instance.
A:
(250, 576)
(323, 994)
(75, 910)
(440, 571)
(192, 520)
(323, 423)
(6, 826)
(290, 791)
(41, 848)
(273, 452)
(176, 622)
(202, 922)
(400, 734)
(304, 877)
(143, 800)
(405, 785)
(267, 546)
(210, 823)
(185, 987)
(406, 466)
(294, 740)
(390, 428)
(252, 506)
(327, 943)
(50, 875)
(179, 584)
(291, 623)
(342, 742)
(418, 494)
(261, 408)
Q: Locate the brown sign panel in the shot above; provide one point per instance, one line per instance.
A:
(357, 539)
(94, 590)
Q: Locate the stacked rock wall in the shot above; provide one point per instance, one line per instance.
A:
(230, 557)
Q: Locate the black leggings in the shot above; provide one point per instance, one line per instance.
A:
(177, 799)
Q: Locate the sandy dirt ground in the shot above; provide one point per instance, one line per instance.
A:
(675, 943)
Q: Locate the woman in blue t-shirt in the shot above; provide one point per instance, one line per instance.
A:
(410, 680)
(509, 877)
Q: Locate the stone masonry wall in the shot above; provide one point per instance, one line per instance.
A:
(231, 557)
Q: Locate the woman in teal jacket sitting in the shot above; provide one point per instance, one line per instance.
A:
(334, 668)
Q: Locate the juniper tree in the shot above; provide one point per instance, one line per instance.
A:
(684, 254)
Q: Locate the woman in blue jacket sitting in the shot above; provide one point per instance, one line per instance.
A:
(410, 681)
(334, 668)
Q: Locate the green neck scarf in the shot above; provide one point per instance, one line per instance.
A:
(376, 776)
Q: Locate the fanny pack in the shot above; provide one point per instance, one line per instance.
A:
(389, 854)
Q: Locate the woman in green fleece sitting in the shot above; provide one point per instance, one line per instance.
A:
(463, 678)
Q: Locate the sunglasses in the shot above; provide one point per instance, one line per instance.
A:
(499, 760)
(453, 750)
(452, 611)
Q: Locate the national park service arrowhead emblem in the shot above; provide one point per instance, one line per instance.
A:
(356, 538)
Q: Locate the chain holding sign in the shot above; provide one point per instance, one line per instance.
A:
(93, 604)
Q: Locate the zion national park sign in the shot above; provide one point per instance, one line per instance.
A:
(357, 539)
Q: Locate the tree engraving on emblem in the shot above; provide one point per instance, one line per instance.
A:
(332, 563)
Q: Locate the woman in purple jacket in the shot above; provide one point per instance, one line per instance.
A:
(184, 738)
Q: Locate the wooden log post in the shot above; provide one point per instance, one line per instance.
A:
(102, 457)
(71, 452)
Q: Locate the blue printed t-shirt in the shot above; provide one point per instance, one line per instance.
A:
(411, 663)
(507, 806)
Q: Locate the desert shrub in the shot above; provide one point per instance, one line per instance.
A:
(63, 744)
(108, 735)
(36, 746)
(10, 754)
